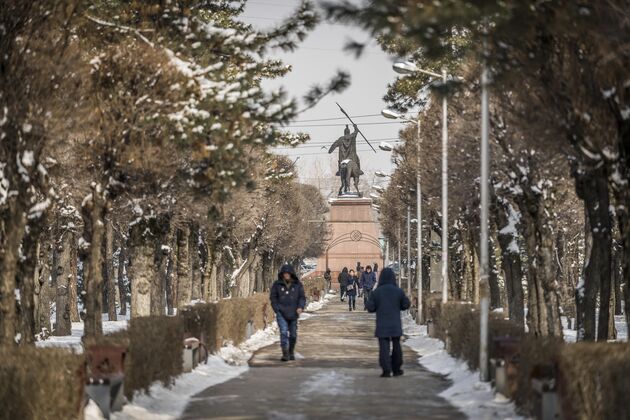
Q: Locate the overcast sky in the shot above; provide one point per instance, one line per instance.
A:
(318, 58)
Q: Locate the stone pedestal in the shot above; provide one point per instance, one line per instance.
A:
(354, 236)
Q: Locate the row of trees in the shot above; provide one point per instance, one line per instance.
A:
(560, 148)
(134, 164)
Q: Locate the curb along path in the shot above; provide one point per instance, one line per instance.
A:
(336, 374)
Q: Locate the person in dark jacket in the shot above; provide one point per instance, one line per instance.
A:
(351, 290)
(343, 282)
(288, 301)
(387, 301)
(367, 282)
(327, 277)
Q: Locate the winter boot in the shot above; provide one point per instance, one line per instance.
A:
(386, 374)
(399, 373)
(285, 355)
(292, 349)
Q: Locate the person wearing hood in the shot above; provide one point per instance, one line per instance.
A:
(343, 279)
(288, 301)
(387, 300)
(367, 283)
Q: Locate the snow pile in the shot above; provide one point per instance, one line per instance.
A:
(73, 341)
(474, 398)
(316, 305)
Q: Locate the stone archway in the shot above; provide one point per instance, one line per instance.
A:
(353, 236)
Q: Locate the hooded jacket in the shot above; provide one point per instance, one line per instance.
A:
(387, 300)
(286, 298)
(343, 278)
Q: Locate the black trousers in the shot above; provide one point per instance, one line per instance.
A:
(390, 354)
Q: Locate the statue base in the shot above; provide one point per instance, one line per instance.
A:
(354, 236)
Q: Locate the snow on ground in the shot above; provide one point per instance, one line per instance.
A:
(570, 335)
(474, 398)
(73, 341)
(229, 362)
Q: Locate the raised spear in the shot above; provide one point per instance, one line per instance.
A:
(348, 116)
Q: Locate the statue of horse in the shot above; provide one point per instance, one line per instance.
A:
(348, 170)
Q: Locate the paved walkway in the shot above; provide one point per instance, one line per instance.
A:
(336, 375)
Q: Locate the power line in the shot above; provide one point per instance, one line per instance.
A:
(395, 139)
(341, 125)
(338, 118)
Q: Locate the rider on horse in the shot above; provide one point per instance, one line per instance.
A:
(347, 145)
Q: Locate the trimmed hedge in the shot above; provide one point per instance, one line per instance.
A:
(154, 351)
(457, 324)
(41, 384)
(38, 383)
(533, 352)
(595, 379)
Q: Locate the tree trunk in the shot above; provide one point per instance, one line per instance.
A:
(143, 274)
(13, 225)
(493, 276)
(507, 220)
(543, 300)
(592, 188)
(27, 272)
(617, 275)
(63, 278)
(93, 212)
(108, 270)
(184, 279)
(195, 272)
(73, 285)
(43, 292)
(122, 288)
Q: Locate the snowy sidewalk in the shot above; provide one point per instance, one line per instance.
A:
(336, 374)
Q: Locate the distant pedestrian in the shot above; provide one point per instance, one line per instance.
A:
(351, 290)
(375, 269)
(327, 277)
(343, 282)
(387, 301)
(288, 301)
(367, 282)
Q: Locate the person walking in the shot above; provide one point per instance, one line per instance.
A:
(288, 301)
(351, 290)
(343, 282)
(327, 277)
(367, 282)
(387, 301)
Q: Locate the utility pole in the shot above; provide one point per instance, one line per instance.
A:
(444, 193)
(484, 375)
(408, 250)
(419, 319)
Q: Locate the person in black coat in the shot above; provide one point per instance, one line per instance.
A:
(288, 301)
(351, 291)
(387, 300)
(343, 282)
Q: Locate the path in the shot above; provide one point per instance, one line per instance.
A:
(336, 375)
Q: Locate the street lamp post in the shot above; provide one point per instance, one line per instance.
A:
(484, 375)
(444, 194)
(409, 250)
(406, 67)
